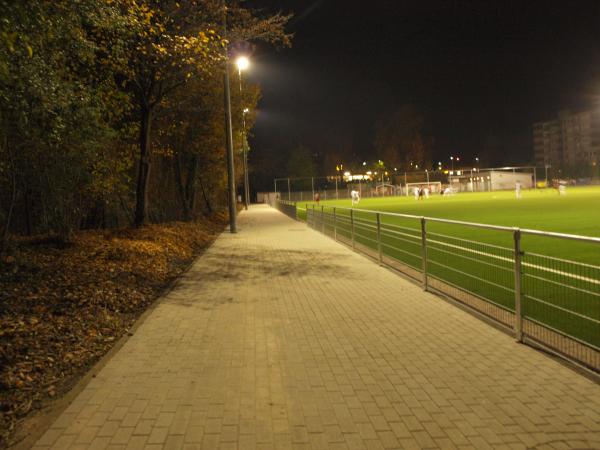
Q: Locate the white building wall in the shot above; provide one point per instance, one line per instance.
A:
(507, 180)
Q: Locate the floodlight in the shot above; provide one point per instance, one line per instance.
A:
(242, 63)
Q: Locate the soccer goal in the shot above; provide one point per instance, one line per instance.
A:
(435, 187)
(385, 189)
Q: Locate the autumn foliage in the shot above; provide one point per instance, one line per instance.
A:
(111, 115)
(64, 304)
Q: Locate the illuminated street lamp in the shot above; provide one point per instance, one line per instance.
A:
(228, 135)
(243, 63)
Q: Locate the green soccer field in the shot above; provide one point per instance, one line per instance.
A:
(561, 278)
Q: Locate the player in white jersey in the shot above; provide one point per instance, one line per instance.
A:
(355, 197)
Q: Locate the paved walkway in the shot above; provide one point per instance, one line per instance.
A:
(280, 338)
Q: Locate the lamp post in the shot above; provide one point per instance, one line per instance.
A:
(242, 64)
(228, 135)
(452, 162)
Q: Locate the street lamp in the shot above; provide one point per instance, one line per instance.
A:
(243, 63)
(452, 162)
(228, 135)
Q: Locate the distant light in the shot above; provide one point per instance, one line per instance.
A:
(416, 166)
(242, 63)
(369, 173)
(458, 172)
(452, 157)
(457, 158)
(386, 173)
(347, 174)
(246, 110)
(439, 163)
(364, 163)
(396, 170)
(476, 159)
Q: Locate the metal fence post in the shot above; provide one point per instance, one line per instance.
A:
(314, 217)
(334, 225)
(379, 239)
(322, 220)
(518, 277)
(352, 227)
(424, 251)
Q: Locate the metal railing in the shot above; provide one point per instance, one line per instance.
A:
(287, 207)
(516, 277)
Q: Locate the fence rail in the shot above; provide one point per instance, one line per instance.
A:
(288, 208)
(544, 299)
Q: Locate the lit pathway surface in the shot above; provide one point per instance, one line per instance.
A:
(278, 337)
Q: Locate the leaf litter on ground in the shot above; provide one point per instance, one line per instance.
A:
(62, 307)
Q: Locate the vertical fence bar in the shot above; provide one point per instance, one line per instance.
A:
(424, 251)
(352, 227)
(289, 191)
(334, 224)
(518, 278)
(322, 220)
(379, 252)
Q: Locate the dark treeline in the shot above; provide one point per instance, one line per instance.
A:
(111, 111)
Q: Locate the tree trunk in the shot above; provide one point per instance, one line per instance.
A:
(190, 189)
(181, 188)
(206, 201)
(13, 198)
(141, 200)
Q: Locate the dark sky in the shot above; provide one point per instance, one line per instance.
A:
(481, 72)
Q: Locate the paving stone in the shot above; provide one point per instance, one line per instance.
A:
(279, 337)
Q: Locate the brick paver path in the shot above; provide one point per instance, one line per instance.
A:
(278, 337)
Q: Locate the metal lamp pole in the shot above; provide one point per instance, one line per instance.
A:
(228, 135)
(242, 63)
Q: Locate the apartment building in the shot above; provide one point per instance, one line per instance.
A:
(570, 140)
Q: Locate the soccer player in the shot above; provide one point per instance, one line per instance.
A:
(355, 197)
(562, 188)
(518, 189)
(317, 197)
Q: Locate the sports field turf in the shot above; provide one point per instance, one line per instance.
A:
(556, 271)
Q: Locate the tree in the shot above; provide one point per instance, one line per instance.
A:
(58, 108)
(176, 42)
(400, 140)
(300, 163)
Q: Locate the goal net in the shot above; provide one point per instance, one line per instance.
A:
(435, 187)
(385, 189)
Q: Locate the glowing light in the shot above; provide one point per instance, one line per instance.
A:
(347, 174)
(364, 163)
(246, 110)
(369, 173)
(242, 63)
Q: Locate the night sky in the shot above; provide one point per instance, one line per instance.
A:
(481, 72)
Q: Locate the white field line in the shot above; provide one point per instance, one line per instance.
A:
(526, 264)
(534, 266)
